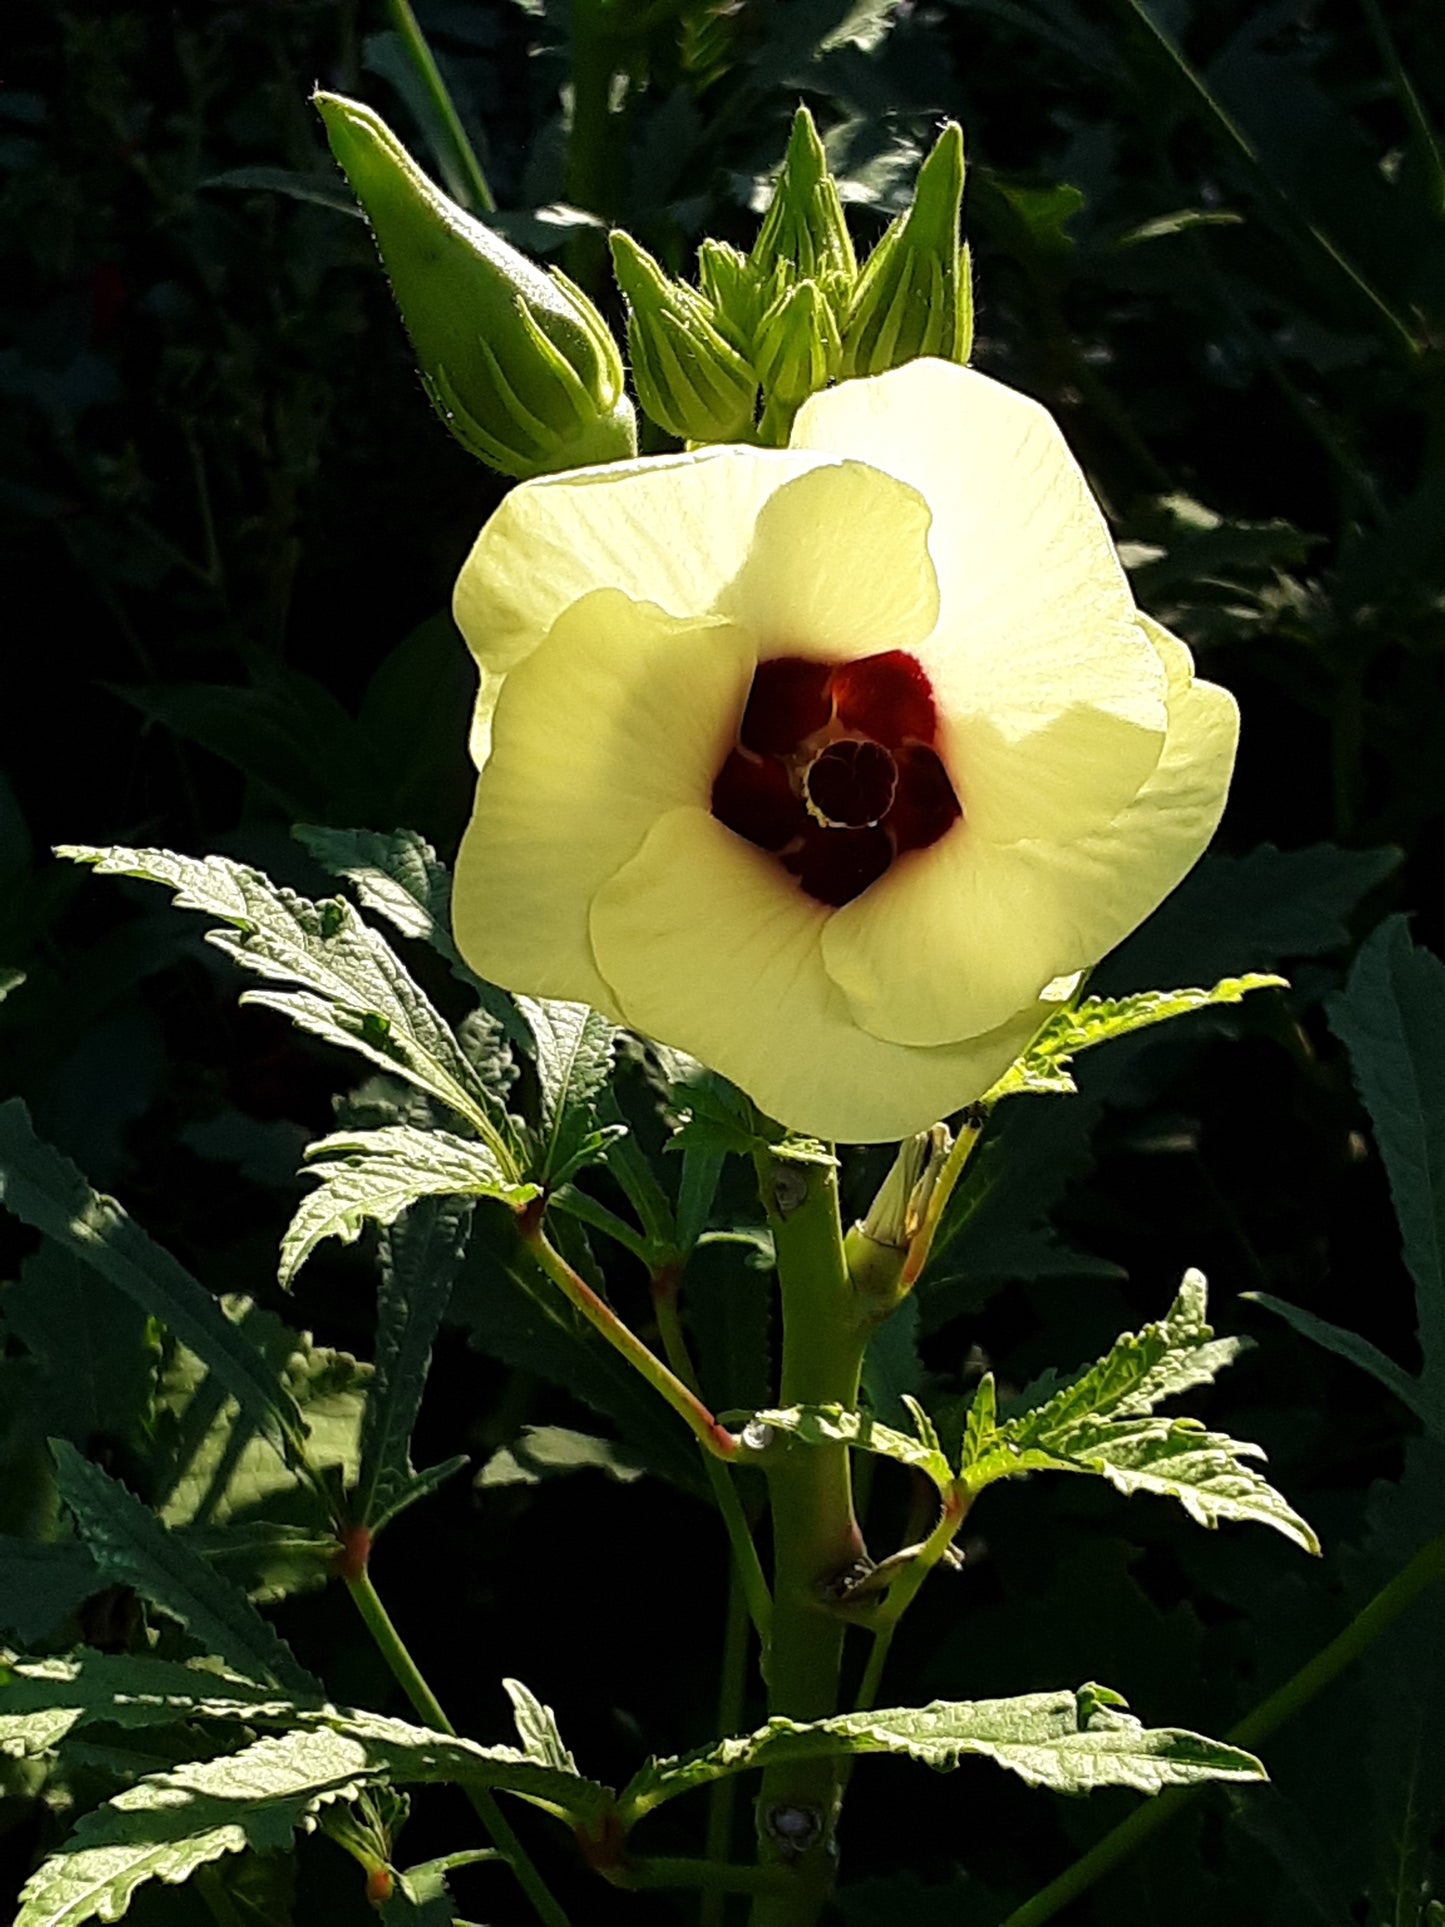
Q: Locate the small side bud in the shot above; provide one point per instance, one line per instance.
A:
(689, 379)
(799, 348)
(875, 1249)
(519, 364)
(804, 228)
(915, 294)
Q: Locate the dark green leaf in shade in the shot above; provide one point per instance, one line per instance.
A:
(1347, 1344)
(419, 1257)
(41, 1585)
(1391, 1018)
(1237, 913)
(45, 1190)
(132, 1547)
(96, 1349)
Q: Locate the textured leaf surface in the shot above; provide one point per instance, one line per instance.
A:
(44, 1701)
(537, 1729)
(1391, 1018)
(376, 1175)
(1104, 1423)
(337, 978)
(574, 1056)
(552, 1451)
(129, 1543)
(41, 1585)
(399, 876)
(1070, 1742)
(832, 1424)
(45, 1190)
(169, 1825)
(1044, 1065)
(420, 1255)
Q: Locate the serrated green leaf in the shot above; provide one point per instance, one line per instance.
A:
(1044, 1065)
(1347, 1344)
(341, 981)
(215, 1468)
(1104, 1424)
(834, 1425)
(96, 1349)
(399, 876)
(1070, 1742)
(130, 1545)
(373, 1176)
(980, 1425)
(130, 1692)
(171, 1824)
(45, 1190)
(10, 980)
(537, 1728)
(419, 1258)
(1391, 1019)
(45, 1701)
(552, 1451)
(574, 1050)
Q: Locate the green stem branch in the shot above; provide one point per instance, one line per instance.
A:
(722, 1795)
(409, 1677)
(715, 1438)
(1423, 1571)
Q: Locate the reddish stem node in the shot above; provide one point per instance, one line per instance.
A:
(353, 1554)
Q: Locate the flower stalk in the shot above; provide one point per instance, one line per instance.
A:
(816, 1541)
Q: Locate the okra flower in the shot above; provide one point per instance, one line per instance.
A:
(826, 763)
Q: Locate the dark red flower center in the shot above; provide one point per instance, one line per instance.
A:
(835, 770)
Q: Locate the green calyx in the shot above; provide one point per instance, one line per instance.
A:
(799, 351)
(915, 293)
(689, 377)
(804, 231)
(519, 364)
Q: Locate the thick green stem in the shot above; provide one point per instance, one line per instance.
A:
(590, 175)
(1424, 1570)
(815, 1535)
(408, 1676)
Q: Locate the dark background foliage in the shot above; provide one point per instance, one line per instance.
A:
(231, 526)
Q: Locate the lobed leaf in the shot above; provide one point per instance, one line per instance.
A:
(1044, 1065)
(1391, 1019)
(420, 1255)
(339, 979)
(129, 1544)
(1070, 1742)
(537, 1728)
(169, 1825)
(399, 876)
(45, 1701)
(376, 1175)
(45, 1190)
(574, 1050)
(1103, 1424)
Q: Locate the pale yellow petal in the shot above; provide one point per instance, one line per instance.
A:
(670, 529)
(838, 567)
(622, 714)
(953, 938)
(1036, 613)
(707, 945)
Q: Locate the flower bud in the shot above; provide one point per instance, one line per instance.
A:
(737, 295)
(689, 379)
(799, 350)
(804, 227)
(915, 294)
(519, 364)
